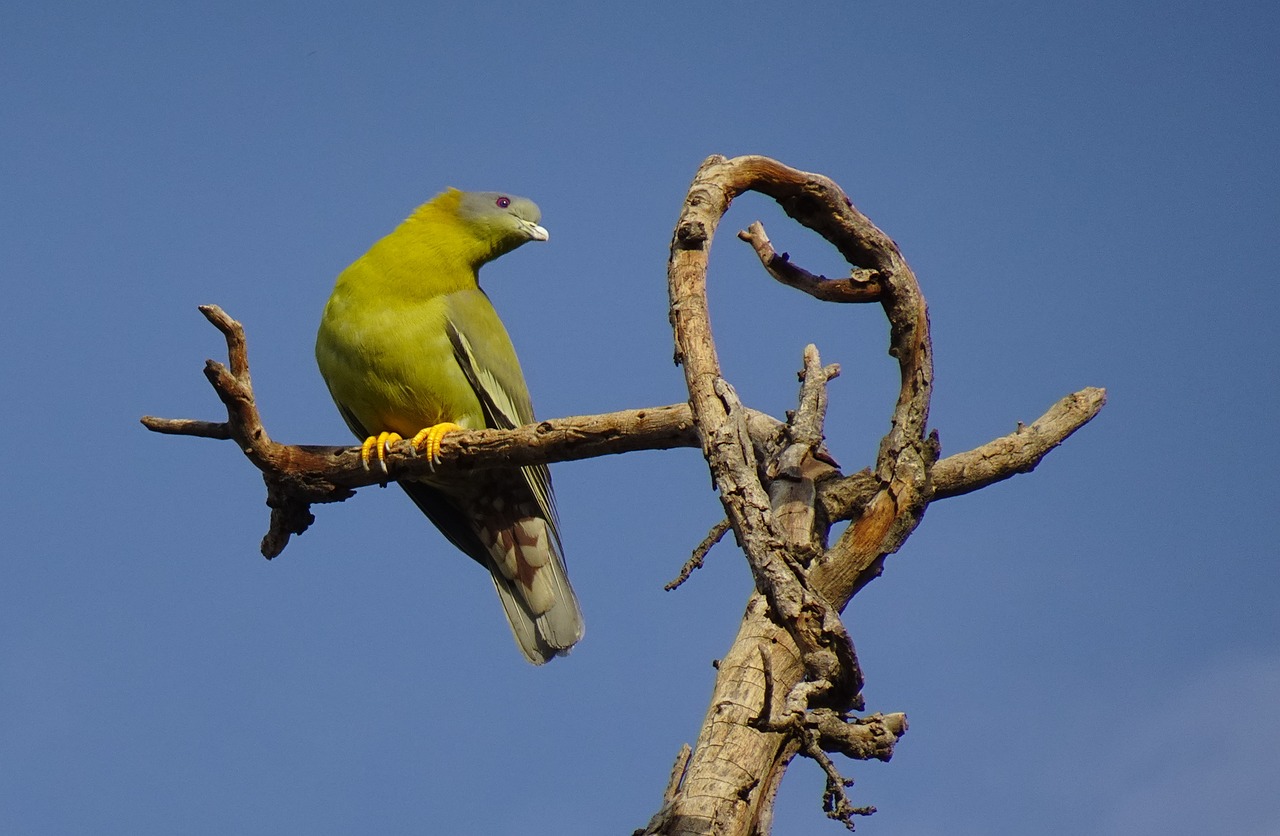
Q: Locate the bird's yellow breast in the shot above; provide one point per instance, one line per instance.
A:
(389, 363)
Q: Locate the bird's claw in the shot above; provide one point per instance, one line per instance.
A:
(428, 441)
(382, 444)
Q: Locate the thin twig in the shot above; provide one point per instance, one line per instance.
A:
(699, 554)
(861, 286)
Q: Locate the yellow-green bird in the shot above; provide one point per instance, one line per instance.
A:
(410, 346)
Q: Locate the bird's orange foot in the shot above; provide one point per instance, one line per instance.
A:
(381, 443)
(428, 440)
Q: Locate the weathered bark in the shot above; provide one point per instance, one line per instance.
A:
(791, 671)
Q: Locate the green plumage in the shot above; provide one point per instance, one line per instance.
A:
(409, 340)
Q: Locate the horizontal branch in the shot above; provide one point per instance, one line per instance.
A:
(188, 426)
(554, 440)
(330, 473)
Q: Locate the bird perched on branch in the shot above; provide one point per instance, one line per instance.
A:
(411, 347)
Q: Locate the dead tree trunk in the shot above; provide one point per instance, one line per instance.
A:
(790, 683)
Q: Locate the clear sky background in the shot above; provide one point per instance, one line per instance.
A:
(1088, 192)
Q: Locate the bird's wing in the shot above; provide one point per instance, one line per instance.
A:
(488, 362)
(500, 388)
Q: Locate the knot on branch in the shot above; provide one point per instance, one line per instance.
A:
(290, 515)
(691, 236)
(860, 738)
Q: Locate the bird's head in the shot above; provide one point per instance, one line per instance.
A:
(502, 221)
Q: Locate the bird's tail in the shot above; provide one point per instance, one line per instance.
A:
(528, 572)
(513, 539)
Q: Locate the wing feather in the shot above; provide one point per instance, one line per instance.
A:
(504, 412)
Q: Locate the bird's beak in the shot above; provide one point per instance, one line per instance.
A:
(535, 232)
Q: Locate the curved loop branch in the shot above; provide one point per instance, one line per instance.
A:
(905, 456)
(781, 509)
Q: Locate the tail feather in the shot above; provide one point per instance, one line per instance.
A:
(520, 548)
(559, 627)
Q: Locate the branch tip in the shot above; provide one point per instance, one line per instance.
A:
(699, 555)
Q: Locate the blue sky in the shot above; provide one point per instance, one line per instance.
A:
(1088, 193)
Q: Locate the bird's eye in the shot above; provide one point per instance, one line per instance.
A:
(503, 202)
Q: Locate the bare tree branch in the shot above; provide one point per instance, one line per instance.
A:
(694, 563)
(297, 476)
(1018, 452)
(861, 286)
(811, 628)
